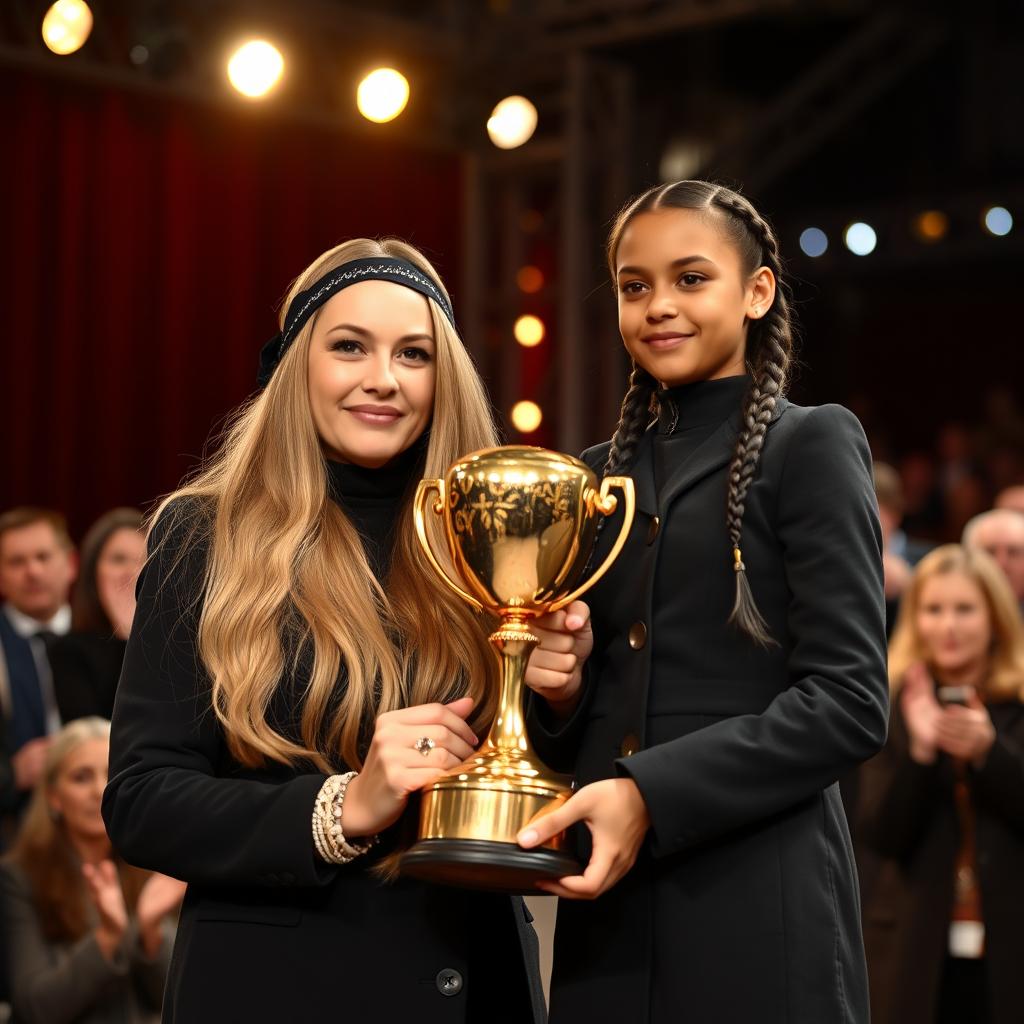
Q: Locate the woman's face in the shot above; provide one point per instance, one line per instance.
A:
(119, 564)
(372, 368)
(683, 297)
(77, 791)
(953, 624)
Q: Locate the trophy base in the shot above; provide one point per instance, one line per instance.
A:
(485, 864)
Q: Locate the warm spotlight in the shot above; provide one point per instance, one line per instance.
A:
(529, 279)
(66, 26)
(931, 226)
(813, 242)
(255, 68)
(526, 417)
(860, 238)
(529, 330)
(512, 122)
(382, 95)
(998, 220)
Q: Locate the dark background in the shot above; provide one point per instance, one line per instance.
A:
(152, 222)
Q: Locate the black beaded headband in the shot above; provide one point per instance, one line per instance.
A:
(306, 303)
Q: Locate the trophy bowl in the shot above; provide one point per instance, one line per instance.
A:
(519, 524)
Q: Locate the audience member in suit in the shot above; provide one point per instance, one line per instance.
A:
(1000, 534)
(89, 937)
(86, 664)
(37, 567)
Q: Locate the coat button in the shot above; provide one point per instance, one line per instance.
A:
(630, 745)
(449, 982)
(637, 635)
(652, 530)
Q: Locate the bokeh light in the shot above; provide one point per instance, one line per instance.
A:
(860, 238)
(66, 26)
(255, 68)
(512, 122)
(526, 417)
(382, 95)
(529, 330)
(813, 242)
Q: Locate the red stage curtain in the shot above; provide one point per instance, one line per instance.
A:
(149, 243)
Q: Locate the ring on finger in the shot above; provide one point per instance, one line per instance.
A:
(424, 745)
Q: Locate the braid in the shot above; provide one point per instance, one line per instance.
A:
(771, 346)
(634, 419)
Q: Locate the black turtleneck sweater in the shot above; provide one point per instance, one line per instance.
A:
(371, 498)
(689, 414)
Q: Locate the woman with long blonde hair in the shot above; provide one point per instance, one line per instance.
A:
(88, 938)
(296, 671)
(944, 802)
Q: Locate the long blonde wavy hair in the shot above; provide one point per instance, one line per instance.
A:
(285, 565)
(1005, 678)
(44, 852)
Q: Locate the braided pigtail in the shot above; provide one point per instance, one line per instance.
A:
(769, 352)
(634, 418)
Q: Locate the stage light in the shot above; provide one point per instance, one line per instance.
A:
(512, 122)
(813, 242)
(382, 95)
(529, 330)
(998, 220)
(529, 279)
(860, 238)
(255, 68)
(931, 226)
(526, 417)
(66, 26)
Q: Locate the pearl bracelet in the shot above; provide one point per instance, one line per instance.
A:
(328, 836)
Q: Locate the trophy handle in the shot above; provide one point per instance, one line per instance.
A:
(423, 488)
(606, 504)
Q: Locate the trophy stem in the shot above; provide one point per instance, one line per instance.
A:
(514, 642)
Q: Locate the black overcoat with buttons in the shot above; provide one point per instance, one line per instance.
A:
(743, 903)
(268, 932)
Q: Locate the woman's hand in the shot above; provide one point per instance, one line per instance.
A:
(104, 888)
(555, 669)
(966, 732)
(394, 768)
(921, 713)
(117, 598)
(617, 817)
(159, 897)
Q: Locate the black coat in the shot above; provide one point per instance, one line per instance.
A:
(743, 904)
(269, 932)
(909, 817)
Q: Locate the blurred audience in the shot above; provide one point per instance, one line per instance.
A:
(37, 566)
(86, 663)
(1000, 533)
(943, 803)
(89, 939)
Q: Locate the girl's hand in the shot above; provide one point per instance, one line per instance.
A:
(617, 817)
(555, 668)
(966, 732)
(921, 712)
(394, 768)
(159, 897)
(104, 888)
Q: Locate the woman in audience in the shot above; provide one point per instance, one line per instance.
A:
(86, 663)
(89, 938)
(944, 803)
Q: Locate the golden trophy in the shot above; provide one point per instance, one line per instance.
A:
(520, 524)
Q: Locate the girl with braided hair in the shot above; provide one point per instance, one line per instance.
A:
(735, 656)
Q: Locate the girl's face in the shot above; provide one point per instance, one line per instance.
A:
(372, 368)
(684, 299)
(77, 791)
(120, 562)
(953, 624)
